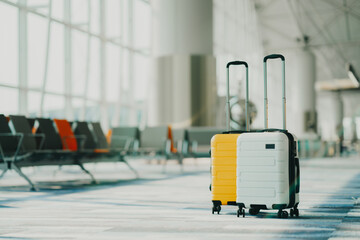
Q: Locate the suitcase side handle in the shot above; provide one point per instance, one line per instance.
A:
(228, 94)
(266, 103)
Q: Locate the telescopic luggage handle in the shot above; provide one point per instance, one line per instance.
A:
(274, 56)
(228, 93)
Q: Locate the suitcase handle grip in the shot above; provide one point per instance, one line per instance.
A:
(228, 94)
(266, 119)
(237, 63)
(274, 56)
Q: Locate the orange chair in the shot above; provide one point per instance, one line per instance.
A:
(67, 135)
(108, 136)
(170, 137)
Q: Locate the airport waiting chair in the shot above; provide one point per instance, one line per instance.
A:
(155, 139)
(21, 125)
(35, 152)
(31, 122)
(173, 147)
(82, 129)
(103, 149)
(19, 149)
(53, 141)
(180, 138)
(10, 143)
(45, 140)
(100, 138)
(10, 149)
(155, 143)
(125, 139)
(52, 138)
(199, 139)
(122, 139)
(68, 138)
(76, 143)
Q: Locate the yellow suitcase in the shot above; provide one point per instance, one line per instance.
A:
(223, 155)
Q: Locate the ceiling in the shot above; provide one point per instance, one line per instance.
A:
(330, 28)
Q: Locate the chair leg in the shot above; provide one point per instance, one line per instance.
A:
(3, 173)
(18, 170)
(93, 180)
(122, 159)
(164, 165)
(180, 160)
(57, 170)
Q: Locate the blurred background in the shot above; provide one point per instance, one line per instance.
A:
(163, 62)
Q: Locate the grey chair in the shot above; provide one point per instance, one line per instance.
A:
(199, 140)
(181, 141)
(126, 139)
(155, 142)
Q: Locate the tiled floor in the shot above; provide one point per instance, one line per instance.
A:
(172, 205)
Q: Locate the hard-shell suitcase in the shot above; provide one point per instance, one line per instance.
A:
(223, 155)
(268, 172)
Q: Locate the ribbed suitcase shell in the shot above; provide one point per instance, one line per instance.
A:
(223, 168)
(223, 154)
(263, 170)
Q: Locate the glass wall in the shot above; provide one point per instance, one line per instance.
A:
(237, 37)
(79, 60)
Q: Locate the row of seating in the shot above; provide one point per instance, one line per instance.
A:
(28, 142)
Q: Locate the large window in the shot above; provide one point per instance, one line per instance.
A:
(237, 37)
(79, 60)
(37, 36)
(8, 45)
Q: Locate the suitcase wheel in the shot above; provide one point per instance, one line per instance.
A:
(254, 211)
(294, 212)
(216, 209)
(240, 212)
(282, 214)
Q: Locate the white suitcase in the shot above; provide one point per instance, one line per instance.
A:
(267, 172)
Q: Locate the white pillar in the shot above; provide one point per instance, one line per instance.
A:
(23, 57)
(303, 93)
(184, 82)
(338, 106)
(182, 27)
(68, 63)
(103, 106)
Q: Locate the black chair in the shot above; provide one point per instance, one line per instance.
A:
(35, 151)
(9, 142)
(100, 138)
(53, 141)
(45, 147)
(31, 122)
(82, 129)
(52, 138)
(21, 125)
(12, 150)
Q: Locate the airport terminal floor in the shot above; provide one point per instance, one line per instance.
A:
(172, 205)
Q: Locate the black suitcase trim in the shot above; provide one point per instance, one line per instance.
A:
(294, 178)
(292, 175)
(234, 132)
(258, 206)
